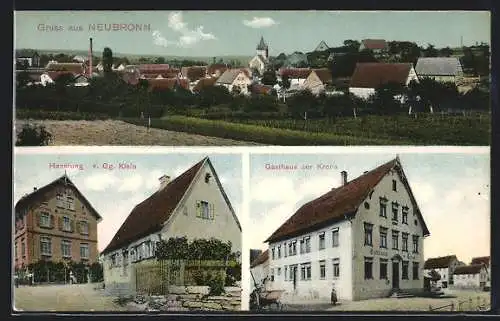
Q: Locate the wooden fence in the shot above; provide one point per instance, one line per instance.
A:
(478, 304)
(156, 276)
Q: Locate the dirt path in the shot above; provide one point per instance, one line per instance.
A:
(114, 132)
(75, 297)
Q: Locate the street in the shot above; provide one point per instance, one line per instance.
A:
(68, 297)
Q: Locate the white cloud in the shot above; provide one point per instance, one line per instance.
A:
(260, 22)
(100, 182)
(131, 183)
(188, 37)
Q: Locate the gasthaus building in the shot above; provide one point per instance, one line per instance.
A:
(363, 238)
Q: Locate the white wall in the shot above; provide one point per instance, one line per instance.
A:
(259, 272)
(316, 287)
(377, 287)
(185, 223)
(363, 93)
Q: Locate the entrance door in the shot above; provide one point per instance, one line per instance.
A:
(294, 277)
(395, 275)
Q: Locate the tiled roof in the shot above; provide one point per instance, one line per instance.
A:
(337, 203)
(439, 262)
(194, 73)
(39, 194)
(300, 73)
(74, 67)
(438, 66)
(148, 216)
(263, 257)
(203, 83)
(374, 75)
(481, 260)
(324, 75)
(212, 69)
(54, 75)
(167, 83)
(148, 68)
(229, 76)
(468, 269)
(374, 44)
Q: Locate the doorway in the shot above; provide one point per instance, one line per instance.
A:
(395, 275)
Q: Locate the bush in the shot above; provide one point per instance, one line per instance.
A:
(216, 285)
(32, 135)
(233, 274)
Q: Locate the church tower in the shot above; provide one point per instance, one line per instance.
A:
(263, 49)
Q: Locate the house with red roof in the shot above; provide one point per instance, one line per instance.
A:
(318, 81)
(368, 77)
(363, 238)
(192, 205)
(378, 47)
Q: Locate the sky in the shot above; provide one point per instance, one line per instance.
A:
(451, 189)
(114, 192)
(222, 33)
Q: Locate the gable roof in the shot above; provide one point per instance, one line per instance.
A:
(37, 195)
(438, 66)
(166, 83)
(322, 46)
(374, 44)
(468, 269)
(374, 74)
(262, 44)
(340, 202)
(439, 262)
(229, 76)
(204, 83)
(263, 257)
(324, 75)
(481, 260)
(74, 67)
(149, 216)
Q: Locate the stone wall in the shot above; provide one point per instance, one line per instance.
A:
(189, 298)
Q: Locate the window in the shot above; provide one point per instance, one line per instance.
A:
(285, 251)
(84, 227)
(395, 209)
(302, 247)
(415, 243)
(321, 241)
(44, 219)
(294, 248)
(335, 237)
(286, 273)
(205, 211)
(272, 253)
(404, 273)
(383, 207)
(302, 272)
(66, 249)
(59, 200)
(279, 271)
(66, 224)
(405, 242)
(290, 252)
(394, 185)
(368, 268)
(45, 246)
(70, 203)
(84, 251)
(279, 252)
(308, 244)
(383, 269)
(322, 270)
(404, 218)
(415, 270)
(305, 271)
(383, 237)
(336, 268)
(147, 248)
(395, 239)
(368, 234)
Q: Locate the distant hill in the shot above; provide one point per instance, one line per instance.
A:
(241, 58)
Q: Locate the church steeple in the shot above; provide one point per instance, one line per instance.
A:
(262, 48)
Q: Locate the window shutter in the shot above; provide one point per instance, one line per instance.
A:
(212, 211)
(60, 222)
(198, 209)
(52, 221)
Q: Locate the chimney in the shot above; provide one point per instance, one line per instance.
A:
(343, 176)
(164, 180)
(90, 58)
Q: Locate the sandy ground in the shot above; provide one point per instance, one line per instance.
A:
(75, 297)
(114, 132)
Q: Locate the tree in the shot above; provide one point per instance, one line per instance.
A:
(160, 60)
(353, 45)
(385, 101)
(32, 135)
(22, 79)
(301, 103)
(430, 51)
(445, 52)
(107, 60)
(269, 78)
(285, 82)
